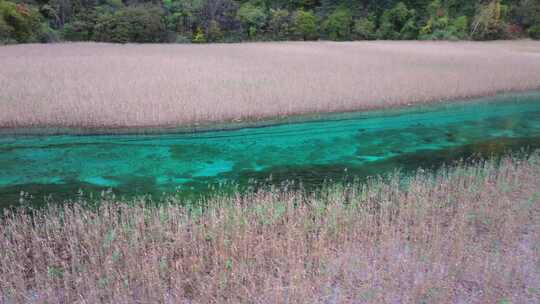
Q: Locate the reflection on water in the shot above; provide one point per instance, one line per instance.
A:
(342, 146)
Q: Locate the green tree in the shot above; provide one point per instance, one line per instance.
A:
(305, 25)
(409, 31)
(489, 23)
(6, 32)
(199, 36)
(337, 25)
(440, 26)
(142, 23)
(214, 31)
(82, 26)
(398, 23)
(460, 27)
(252, 17)
(279, 23)
(184, 16)
(19, 22)
(364, 29)
(236, 20)
(534, 32)
(526, 14)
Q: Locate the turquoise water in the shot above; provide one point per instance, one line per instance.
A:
(337, 147)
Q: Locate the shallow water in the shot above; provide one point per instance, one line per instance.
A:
(339, 147)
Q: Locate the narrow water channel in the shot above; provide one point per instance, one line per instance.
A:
(336, 147)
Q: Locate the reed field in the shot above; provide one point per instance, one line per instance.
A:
(469, 234)
(109, 85)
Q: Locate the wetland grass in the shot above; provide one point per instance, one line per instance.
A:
(468, 234)
(107, 86)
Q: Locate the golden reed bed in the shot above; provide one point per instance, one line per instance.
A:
(107, 85)
(465, 235)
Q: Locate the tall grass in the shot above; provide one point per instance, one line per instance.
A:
(464, 235)
(107, 85)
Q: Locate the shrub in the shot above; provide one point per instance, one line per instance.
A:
(181, 39)
(514, 31)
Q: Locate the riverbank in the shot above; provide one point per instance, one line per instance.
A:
(92, 85)
(465, 235)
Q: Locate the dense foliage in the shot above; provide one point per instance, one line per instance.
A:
(240, 20)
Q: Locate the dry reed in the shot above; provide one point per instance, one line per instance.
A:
(107, 85)
(466, 235)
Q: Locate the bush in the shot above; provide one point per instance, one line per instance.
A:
(514, 31)
(182, 39)
(534, 32)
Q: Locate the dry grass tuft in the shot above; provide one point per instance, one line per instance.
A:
(107, 85)
(468, 235)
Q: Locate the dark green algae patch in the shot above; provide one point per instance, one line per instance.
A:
(340, 147)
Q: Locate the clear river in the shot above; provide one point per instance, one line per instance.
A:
(332, 147)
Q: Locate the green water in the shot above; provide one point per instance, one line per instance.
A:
(337, 147)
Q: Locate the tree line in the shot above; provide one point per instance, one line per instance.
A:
(199, 21)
